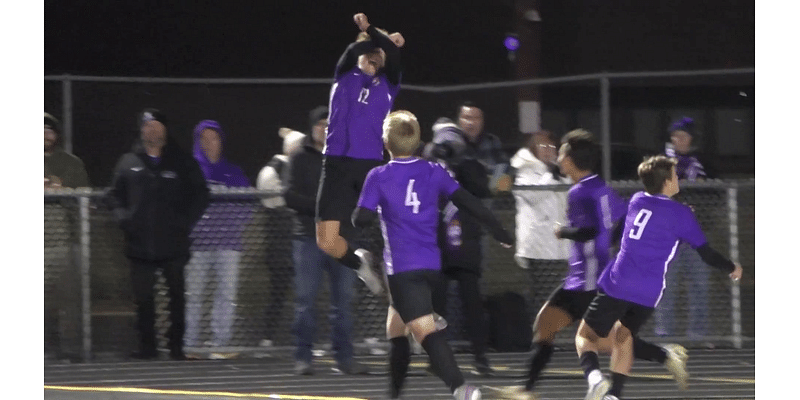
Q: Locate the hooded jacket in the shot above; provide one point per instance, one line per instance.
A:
(538, 211)
(223, 222)
(157, 202)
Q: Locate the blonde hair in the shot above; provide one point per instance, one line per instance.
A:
(401, 133)
(655, 172)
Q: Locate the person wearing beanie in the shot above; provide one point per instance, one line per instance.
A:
(216, 242)
(301, 178)
(688, 265)
(61, 169)
(157, 195)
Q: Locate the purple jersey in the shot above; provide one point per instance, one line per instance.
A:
(358, 105)
(654, 227)
(405, 193)
(591, 203)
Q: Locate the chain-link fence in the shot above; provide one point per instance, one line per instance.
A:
(89, 307)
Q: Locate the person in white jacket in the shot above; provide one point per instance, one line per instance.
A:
(539, 210)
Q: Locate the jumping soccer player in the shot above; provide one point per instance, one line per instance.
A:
(367, 80)
(631, 287)
(405, 194)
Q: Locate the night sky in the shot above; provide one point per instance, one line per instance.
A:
(446, 43)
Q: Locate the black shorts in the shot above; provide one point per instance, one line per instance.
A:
(340, 185)
(574, 302)
(605, 311)
(411, 291)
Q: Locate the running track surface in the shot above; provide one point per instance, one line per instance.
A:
(715, 374)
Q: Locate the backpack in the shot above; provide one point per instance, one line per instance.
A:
(510, 326)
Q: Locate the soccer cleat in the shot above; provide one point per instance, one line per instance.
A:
(610, 397)
(676, 364)
(599, 390)
(352, 367)
(467, 392)
(517, 393)
(367, 274)
(303, 368)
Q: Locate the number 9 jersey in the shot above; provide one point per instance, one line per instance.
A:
(654, 227)
(405, 193)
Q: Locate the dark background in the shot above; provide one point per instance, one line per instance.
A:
(447, 43)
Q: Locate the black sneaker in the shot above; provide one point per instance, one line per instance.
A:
(177, 355)
(482, 366)
(303, 368)
(145, 355)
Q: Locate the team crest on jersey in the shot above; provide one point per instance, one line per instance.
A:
(375, 81)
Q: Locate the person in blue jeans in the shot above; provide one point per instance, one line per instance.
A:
(301, 178)
(688, 266)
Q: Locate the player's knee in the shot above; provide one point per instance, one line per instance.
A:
(422, 327)
(621, 334)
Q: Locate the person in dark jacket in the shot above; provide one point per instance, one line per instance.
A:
(158, 193)
(302, 176)
(460, 235)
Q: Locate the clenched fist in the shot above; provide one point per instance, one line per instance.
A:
(361, 21)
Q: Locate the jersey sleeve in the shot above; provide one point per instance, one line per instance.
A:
(688, 229)
(370, 193)
(447, 185)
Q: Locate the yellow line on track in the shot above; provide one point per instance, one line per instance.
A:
(658, 376)
(196, 393)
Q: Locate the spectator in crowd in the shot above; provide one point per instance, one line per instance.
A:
(537, 249)
(688, 266)
(216, 242)
(269, 178)
(278, 216)
(61, 169)
(487, 147)
(157, 195)
(460, 236)
(311, 263)
(367, 81)
(62, 311)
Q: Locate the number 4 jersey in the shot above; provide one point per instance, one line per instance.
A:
(654, 226)
(405, 193)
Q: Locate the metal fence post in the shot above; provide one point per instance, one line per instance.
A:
(736, 298)
(66, 112)
(86, 302)
(605, 124)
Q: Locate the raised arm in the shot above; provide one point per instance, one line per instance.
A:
(471, 204)
(389, 43)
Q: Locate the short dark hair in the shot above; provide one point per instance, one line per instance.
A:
(655, 171)
(580, 146)
(467, 103)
